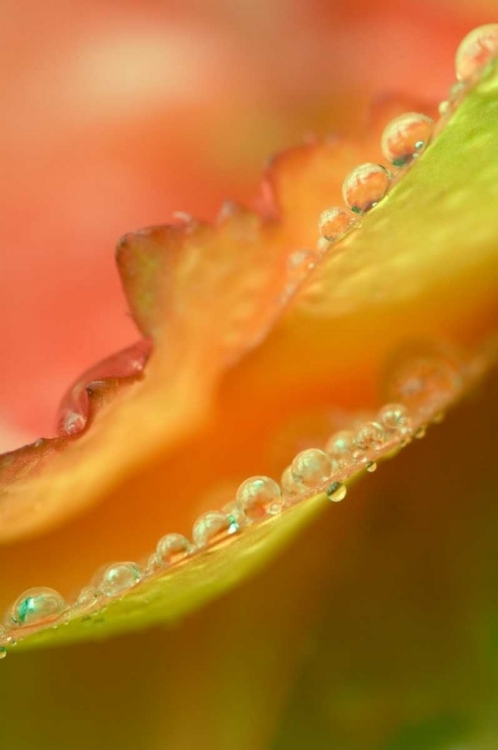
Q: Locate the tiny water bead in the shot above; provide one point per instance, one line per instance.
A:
(370, 436)
(36, 605)
(371, 467)
(476, 50)
(334, 223)
(336, 492)
(172, 548)
(3, 652)
(258, 497)
(213, 526)
(406, 137)
(312, 467)
(119, 577)
(365, 186)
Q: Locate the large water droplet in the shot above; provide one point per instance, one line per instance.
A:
(36, 605)
(476, 50)
(212, 527)
(172, 548)
(406, 137)
(118, 578)
(312, 467)
(258, 497)
(365, 186)
(334, 223)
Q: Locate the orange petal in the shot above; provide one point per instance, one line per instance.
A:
(209, 296)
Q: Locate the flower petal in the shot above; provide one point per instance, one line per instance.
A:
(183, 412)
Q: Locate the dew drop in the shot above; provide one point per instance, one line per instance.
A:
(152, 564)
(334, 223)
(371, 467)
(424, 381)
(476, 50)
(73, 423)
(365, 186)
(421, 432)
(118, 578)
(406, 137)
(88, 597)
(172, 548)
(370, 436)
(3, 652)
(395, 418)
(290, 487)
(212, 527)
(341, 445)
(36, 605)
(311, 467)
(258, 497)
(336, 492)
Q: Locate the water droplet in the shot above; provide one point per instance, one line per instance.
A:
(334, 223)
(88, 597)
(341, 445)
(3, 652)
(258, 497)
(421, 432)
(73, 423)
(172, 548)
(118, 578)
(336, 492)
(36, 605)
(311, 467)
(365, 186)
(406, 137)
(395, 419)
(424, 380)
(213, 526)
(370, 436)
(476, 50)
(371, 466)
(290, 487)
(152, 564)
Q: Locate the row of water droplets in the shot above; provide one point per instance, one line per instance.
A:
(312, 470)
(404, 139)
(257, 499)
